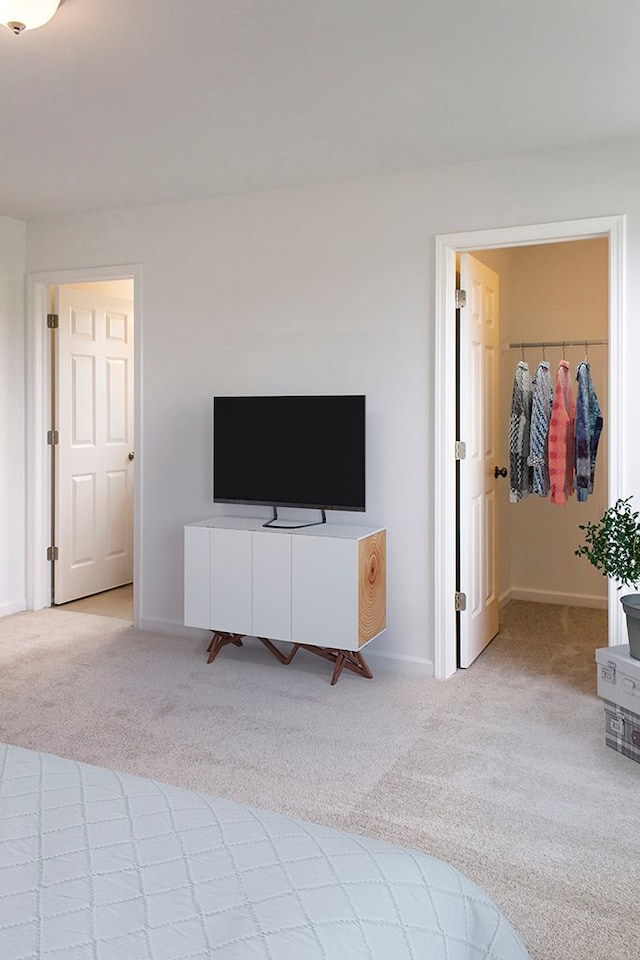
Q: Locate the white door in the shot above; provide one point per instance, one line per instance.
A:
(93, 497)
(479, 354)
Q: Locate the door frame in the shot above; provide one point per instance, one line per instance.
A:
(444, 478)
(38, 404)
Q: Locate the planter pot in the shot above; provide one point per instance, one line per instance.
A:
(631, 606)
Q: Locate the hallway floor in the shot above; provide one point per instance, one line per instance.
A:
(116, 603)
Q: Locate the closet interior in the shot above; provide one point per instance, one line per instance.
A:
(553, 309)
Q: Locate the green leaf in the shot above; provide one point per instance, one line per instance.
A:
(613, 544)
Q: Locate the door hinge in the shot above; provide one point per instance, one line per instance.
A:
(461, 450)
(53, 437)
(460, 601)
(52, 321)
(461, 299)
(52, 553)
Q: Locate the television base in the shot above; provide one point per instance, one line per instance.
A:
(293, 526)
(341, 659)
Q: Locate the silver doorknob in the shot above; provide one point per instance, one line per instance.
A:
(131, 455)
(500, 472)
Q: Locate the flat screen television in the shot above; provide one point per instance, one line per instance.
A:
(290, 451)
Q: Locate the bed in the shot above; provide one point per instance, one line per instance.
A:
(100, 865)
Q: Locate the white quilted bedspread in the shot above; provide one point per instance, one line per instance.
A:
(98, 865)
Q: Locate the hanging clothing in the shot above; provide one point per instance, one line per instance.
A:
(541, 407)
(520, 473)
(588, 428)
(561, 437)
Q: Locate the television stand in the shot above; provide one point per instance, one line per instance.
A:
(321, 589)
(293, 526)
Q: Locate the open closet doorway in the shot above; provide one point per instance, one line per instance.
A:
(533, 313)
(607, 234)
(92, 446)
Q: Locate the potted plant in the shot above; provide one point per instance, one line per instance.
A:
(613, 546)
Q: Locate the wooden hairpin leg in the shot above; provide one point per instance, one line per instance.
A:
(283, 658)
(337, 670)
(343, 659)
(351, 660)
(220, 640)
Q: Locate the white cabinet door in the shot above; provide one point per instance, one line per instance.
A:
(272, 585)
(325, 592)
(197, 576)
(231, 581)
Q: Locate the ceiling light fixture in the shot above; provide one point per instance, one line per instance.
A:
(19, 15)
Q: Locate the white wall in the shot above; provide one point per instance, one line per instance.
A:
(12, 417)
(321, 288)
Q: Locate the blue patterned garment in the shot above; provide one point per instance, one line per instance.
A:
(540, 416)
(588, 428)
(520, 473)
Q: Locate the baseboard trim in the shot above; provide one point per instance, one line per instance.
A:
(169, 627)
(6, 609)
(504, 598)
(555, 596)
(400, 663)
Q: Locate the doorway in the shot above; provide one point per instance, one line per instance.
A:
(92, 453)
(612, 229)
(119, 284)
(531, 311)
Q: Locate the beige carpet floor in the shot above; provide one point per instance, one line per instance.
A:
(502, 771)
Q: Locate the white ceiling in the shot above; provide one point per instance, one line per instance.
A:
(123, 102)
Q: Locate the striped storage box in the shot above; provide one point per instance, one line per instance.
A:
(622, 730)
(619, 687)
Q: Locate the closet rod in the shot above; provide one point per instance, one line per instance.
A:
(554, 343)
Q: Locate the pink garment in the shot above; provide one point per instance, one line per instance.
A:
(561, 437)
